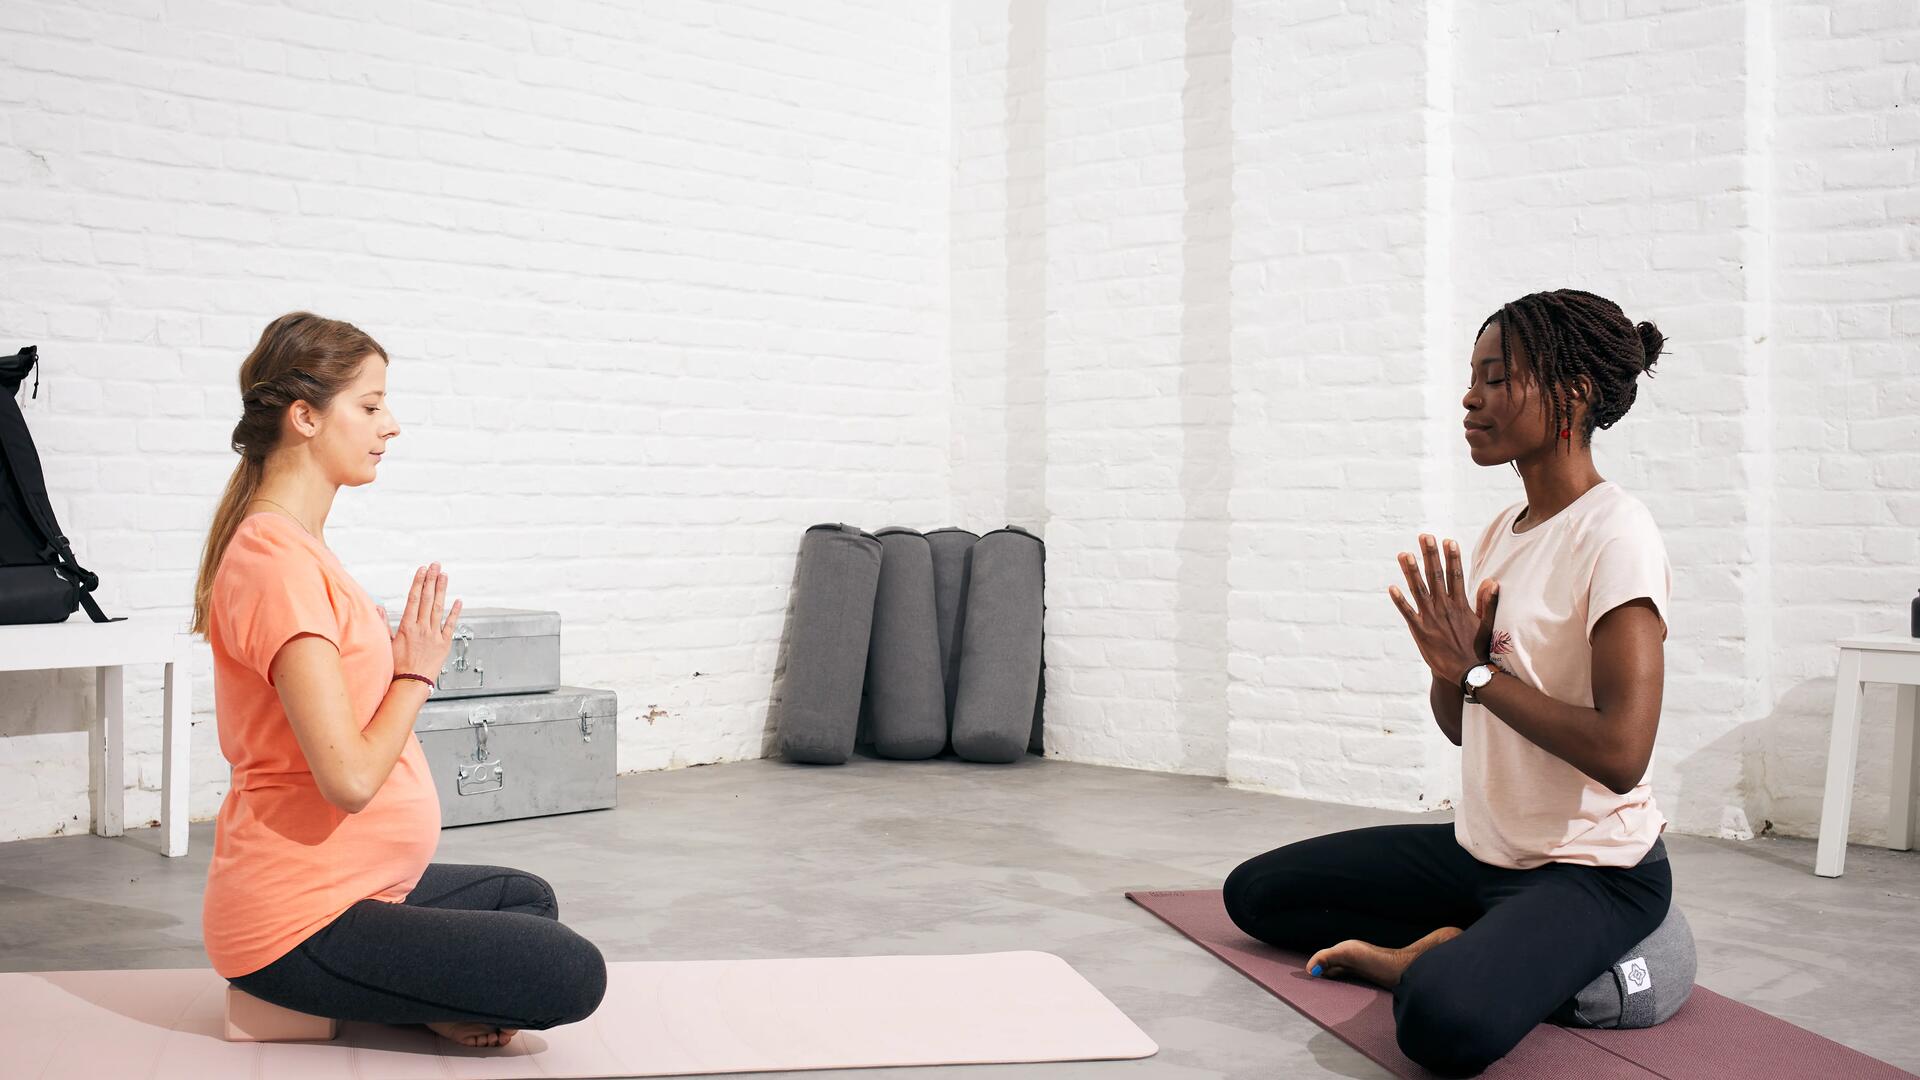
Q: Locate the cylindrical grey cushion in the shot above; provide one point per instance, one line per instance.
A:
(1038, 743)
(905, 701)
(1000, 648)
(827, 649)
(951, 548)
(1643, 988)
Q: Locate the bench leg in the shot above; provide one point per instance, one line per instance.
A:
(1843, 749)
(1906, 764)
(106, 750)
(174, 758)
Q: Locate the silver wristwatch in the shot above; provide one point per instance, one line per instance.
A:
(1477, 676)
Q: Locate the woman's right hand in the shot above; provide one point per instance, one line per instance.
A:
(425, 634)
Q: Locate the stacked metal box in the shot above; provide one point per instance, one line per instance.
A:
(503, 738)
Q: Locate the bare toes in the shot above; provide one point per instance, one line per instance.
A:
(1334, 960)
(475, 1035)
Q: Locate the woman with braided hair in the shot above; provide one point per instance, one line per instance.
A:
(321, 895)
(1547, 665)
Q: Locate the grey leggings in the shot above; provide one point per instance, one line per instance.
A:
(470, 943)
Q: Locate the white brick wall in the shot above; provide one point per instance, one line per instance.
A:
(1090, 351)
(1329, 400)
(1741, 174)
(1845, 387)
(997, 264)
(1188, 285)
(662, 287)
(1606, 154)
(1120, 581)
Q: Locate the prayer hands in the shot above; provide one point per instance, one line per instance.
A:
(1452, 635)
(425, 634)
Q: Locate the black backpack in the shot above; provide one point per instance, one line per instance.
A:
(39, 580)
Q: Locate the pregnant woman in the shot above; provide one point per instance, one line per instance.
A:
(322, 896)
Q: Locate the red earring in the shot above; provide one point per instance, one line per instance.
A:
(1566, 433)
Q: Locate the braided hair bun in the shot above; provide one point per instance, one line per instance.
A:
(1568, 334)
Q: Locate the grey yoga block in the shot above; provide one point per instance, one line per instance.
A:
(1643, 988)
(1000, 648)
(951, 549)
(905, 700)
(827, 651)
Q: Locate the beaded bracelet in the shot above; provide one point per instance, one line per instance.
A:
(409, 675)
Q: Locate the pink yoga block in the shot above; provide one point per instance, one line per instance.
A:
(251, 1020)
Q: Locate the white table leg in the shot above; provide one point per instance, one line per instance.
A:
(1842, 751)
(1906, 770)
(106, 750)
(175, 756)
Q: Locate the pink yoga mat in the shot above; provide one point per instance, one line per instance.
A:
(1710, 1038)
(659, 1019)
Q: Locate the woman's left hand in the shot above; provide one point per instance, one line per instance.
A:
(1451, 633)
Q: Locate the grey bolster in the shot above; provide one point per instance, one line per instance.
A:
(951, 548)
(1000, 648)
(1647, 985)
(905, 700)
(827, 653)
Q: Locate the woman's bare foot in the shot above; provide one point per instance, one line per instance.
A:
(475, 1034)
(1371, 963)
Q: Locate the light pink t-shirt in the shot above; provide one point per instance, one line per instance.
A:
(1520, 806)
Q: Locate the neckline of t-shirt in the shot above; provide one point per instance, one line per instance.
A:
(1564, 513)
(294, 526)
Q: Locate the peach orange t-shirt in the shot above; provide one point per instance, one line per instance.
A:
(1520, 806)
(286, 862)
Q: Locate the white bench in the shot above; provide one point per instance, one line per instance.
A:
(1883, 658)
(109, 648)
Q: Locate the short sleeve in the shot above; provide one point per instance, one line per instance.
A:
(1632, 563)
(270, 591)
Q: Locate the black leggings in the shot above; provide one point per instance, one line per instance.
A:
(1533, 938)
(470, 943)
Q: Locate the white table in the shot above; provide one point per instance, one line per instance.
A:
(1884, 658)
(109, 648)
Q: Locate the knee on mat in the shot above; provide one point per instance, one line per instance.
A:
(1248, 894)
(529, 893)
(579, 981)
(1443, 1030)
(1233, 895)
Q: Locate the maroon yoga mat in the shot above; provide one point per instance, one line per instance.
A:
(1710, 1038)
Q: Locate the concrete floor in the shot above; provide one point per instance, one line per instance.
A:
(763, 859)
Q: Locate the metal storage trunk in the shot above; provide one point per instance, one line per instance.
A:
(500, 651)
(498, 758)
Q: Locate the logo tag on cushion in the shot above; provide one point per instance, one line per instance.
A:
(1635, 973)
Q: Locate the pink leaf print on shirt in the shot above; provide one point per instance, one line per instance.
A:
(1502, 643)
